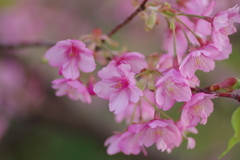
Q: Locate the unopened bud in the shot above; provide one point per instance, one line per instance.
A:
(90, 85)
(214, 87)
(227, 85)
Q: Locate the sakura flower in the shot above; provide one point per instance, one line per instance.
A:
(219, 54)
(191, 142)
(73, 88)
(193, 81)
(125, 142)
(71, 55)
(134, 59)
(197, 110)
(171, 87)
(162, 132)
(117, 86)
(197, 7)
(142, 110)
(222, 26)
(165, 62)
(198, 59)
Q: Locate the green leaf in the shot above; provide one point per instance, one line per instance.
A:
(236, 126)
(231, 143)
(236, 122)
(237, 85)
(151, 20)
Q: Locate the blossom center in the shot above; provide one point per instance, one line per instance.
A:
(120, 84)
(70, 90)
(74, 53)
(171, 88)
(197, 109)
(198, 62)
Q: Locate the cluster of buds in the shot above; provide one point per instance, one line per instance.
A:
(139, 90)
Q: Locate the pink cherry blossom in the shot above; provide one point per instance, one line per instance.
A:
(73, 88)
(162, 132)
(171, 87)
(134, 59)
(197, 7)
(142, 110)
(70, 56)
(193, 81)
(219, 54)
(222, 26)
(191, 142)
(117, 86)
(124, 142)
(196, 60)
(165, 62)
(197, 110)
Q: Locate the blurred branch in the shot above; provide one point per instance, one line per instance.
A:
(50, 44)
(128, 19)
(27, 44)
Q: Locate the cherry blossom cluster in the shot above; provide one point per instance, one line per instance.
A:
(70, 56)
(140, 89)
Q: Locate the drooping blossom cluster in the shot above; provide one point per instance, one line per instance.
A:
(70, 56)
(139, 90)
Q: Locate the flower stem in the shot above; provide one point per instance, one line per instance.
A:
(157, 109)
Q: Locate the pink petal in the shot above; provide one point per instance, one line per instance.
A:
(70, 70)
(159, 95)
(135, 93)
(86, 63)
(103, 90)
(108, 72)
(56, 56)
(118, 102)
(183, 94)
(161, 144)
(191, 143)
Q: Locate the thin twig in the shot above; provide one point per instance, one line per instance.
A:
(227, 95)
(50, 44)
(128, 19)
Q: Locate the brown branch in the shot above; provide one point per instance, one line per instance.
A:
(227, 95)
(128, 19)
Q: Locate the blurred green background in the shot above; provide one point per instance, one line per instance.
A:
(61, 129)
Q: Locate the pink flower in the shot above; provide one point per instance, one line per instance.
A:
(165, 62)
(170, 87)
(125, 142)
(197, 7)
(193, 81)
(199, 107)
(118, 86)
(73, 88)
(222, 26)
(71, 55)
(196, 60)
(191, 142)
(162, 132)
(219, 54)
(134, 59)
(142, 110)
